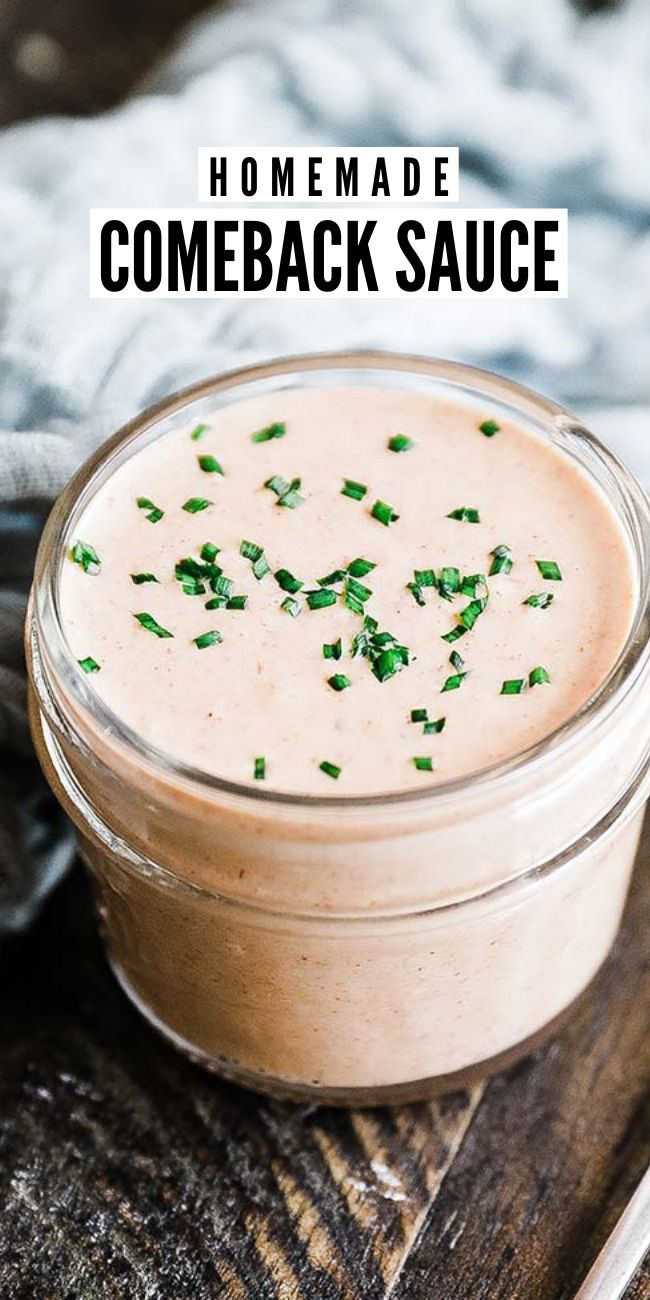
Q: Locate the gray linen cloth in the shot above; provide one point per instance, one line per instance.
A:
(549, 108)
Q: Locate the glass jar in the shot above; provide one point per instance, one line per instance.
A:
(353, 950)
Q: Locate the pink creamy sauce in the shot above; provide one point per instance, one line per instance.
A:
(263, 690)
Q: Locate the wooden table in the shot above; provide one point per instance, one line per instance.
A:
(127, 1172)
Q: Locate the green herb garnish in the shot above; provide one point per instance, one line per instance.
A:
(471, 613)
(259, 769)
(271, 431)
(339, 682)
(153, 512)
(356, 491)
(427, 577)
(423, 764)
(198, 432)
(358, 589)
(360, 567)
(538, 676)
(149, 623)
(210, 465)
(501, 560)
(433, 727)
(86, 556)
(453, 683)
(541, 601)
(389, 662)
(261, 567)
(332, 579)
(549, 570)
(206, 639)
(237, 602)
(209, 552)
(384, 513)
(455, 634)
(400, 442)
(467, 514)
(330, 769)
(287, 582)
(140, 578)
(457, 662)
(89, 665)
(321, 598)
(332, 650)
(489, 428)
(416, 592)
(195, 504)
(419, 715)
(250, 550)
(471, 583)
(513, 686)
(287, 493)
(448, 582)
(291, 606)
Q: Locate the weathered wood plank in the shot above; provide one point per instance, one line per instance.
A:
(126, 1171)
(555, 1151)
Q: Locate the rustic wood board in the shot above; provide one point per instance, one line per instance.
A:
(127, 1172)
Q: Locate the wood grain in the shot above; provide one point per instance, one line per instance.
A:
(126, 1172)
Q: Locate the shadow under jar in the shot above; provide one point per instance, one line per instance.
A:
(353, 949)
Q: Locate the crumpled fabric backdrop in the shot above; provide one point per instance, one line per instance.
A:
(548, 107)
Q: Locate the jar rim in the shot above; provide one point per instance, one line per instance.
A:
(632, 508)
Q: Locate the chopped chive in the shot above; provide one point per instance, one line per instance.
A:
(332, 649)
(152, 512)
(453, 683)
(538, 676)
(271, 431)
(291, 606)
(210, 465)
(400, 442)
(261, 567)
(209, 552)
(384, 513)
(360, 567)
(419, 715)
(358, 589)
(250, 550)
(339, 682)
(330, 769)
(455, 634)
(489, 428)
(321, 598)
(140, 578)
(89, 665)
(193, 587)
(86, 556)
(449, 582)
(220, 585)
(501, 560)
(198, 432)
(471, 613)
(353, 603)
(433, 726)
(356, 491)
(549, 570)
(390, 661)
(467, 514)
(287, 582)
(148, 622)
(287, 493)
(540, 601)
(206, 639)
(195, 504)
(513, 686)
(471, 583)
(237, 602)
(423, 764)
(427, 577)
(416, 592)
(456, 661)
(332, 579)
(190, 568)
(259, 769)
(216, 602)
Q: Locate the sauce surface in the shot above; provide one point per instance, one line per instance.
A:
(262, 691)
